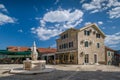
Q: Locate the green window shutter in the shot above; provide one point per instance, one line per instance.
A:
(108, 53)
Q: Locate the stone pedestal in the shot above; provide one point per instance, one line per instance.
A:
(34, 65)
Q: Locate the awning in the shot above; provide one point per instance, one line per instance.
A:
(6, 52)
(18, 56)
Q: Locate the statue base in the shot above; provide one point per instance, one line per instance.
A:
(34, 65)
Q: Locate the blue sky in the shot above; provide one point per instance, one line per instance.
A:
(25, 21)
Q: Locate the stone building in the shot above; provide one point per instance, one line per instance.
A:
(110, 56)
(81, 46)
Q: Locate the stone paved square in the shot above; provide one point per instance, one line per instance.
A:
(65, 72)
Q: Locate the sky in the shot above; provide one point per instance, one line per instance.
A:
(25, 21)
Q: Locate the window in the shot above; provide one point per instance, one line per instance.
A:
(60, 47)
(70, 44)
(66, 45)
(65, 57)
(71, 57)
(98, 45)
(67, 35)
(63, 46)
(64, 36)
(61, 37)
(86, 43)
(86, 32)
(86, 58)
(108, 52)
(97, 35)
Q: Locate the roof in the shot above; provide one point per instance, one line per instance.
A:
(16, 49)
(85, 27)
(46, 50)
(106, 47)
(69, 30)
(94, 26)
(21, 50)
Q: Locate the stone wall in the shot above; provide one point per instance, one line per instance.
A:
(92, 49)
(72, 36)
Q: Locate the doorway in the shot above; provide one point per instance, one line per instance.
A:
(86, 58)
(95, 58)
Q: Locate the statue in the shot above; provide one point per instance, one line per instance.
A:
(34, 54)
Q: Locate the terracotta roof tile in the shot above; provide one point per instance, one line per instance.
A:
(16, 49)
(106, 47)
(40, 50)
(46, 50)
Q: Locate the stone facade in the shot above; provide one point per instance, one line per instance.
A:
(71, 37)
(88, 43)
(67, 47)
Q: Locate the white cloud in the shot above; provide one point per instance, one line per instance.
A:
(56, 2)
(99, 5)
(2, 8)
(20, 30)
(37, 18)
(5, 19)
(113, 27)
(94, 5)
(59, 21)
(100, 22)
(36, 9)
(45, 34)
(62, 16)
(103, 28)
(114, 13)
(81, 1)
(113, 40)
(42, 22)
(53, 45)
(87, 23)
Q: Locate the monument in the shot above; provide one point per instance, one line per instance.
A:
(34, 65)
